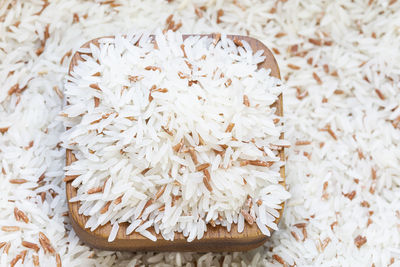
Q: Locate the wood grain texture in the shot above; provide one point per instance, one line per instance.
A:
(216, 239)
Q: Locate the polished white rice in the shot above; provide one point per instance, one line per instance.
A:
(360, 49)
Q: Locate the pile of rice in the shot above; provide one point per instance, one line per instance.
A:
(174, 135)
(340, 61)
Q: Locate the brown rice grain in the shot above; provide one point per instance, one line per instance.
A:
(58, 260)
(359, 241)
(29, 145)
(207, 184)
(380, 95)
(293, 49)
(96, 102)
(333, 225)
(217, 38)
(10, 228)
(75, 18)
(201, 141)
(35, 259)
(280, 34)
(202, 166)
(17, 181)
(153, 68)
(193, 155)
(22, 216)
(293, 67)
(207, 174)
(183, 50)
(276, 51)
(350, 195)
(228, 82)
(7, 247)
(315, 41)
(169, 19)
(317, 78)
(177, 27)
(295, 235)
(246, 101)
(58, 92)
(302, 143)
(249, 219)
(69, 178)
(45, 4)
(278, 259)
(220, 13)
(330, 131)
(260, 163)
(4, 130)
(230, 127)
(16, 216)
(95, 190)
(104, 209)
(118, 200)
(300, 225)
(326, 68)
(160, 192)
(23, 254)
(15, 260)
(95, 86)
(365, 204)
(133, 78)
(373, 173)
(45, 243)
(304, 231)
(167, 131)
(325, 243)
(42, 196)
(178, 146)
(237, 42)
(30, 245)
(198, 12)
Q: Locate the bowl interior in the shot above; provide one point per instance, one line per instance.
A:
(215, 239)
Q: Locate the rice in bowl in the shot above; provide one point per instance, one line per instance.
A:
(176, 135)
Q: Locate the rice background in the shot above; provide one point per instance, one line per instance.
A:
(344, 185)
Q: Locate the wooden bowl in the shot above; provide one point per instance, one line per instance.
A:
(216, 239)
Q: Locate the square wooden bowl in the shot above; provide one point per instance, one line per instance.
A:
(216, 239)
